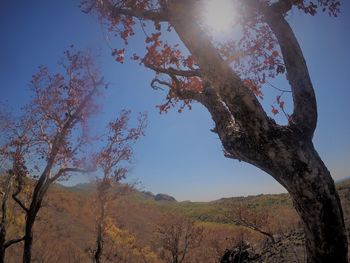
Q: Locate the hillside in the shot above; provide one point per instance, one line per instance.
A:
(65, 230)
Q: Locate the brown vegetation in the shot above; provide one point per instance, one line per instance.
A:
(65, 229)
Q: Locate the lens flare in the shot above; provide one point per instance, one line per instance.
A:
(218, 15)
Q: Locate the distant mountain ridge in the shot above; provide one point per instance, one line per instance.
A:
(164, 197)
(86, 187)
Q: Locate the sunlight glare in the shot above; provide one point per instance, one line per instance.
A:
(218, 15)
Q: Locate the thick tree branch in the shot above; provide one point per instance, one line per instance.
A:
(305, 108)
(185, 94)
(17, 192)
(172, 71)
(176, 89)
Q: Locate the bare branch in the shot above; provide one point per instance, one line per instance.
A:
(13, 241)
(243, 216)
(19, 202)
(156, 81)
(173, 71)
(276, 88)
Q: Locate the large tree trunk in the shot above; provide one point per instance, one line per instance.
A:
(317, 202)
(99, 245)
(293, 162)
(28, 238)
(102, 194)
(99, 237)
(38, 195)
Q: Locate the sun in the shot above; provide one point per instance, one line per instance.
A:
(218, 15)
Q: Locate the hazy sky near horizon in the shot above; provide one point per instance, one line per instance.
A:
(179, 155)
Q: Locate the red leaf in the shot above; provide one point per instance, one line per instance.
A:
(274, 110)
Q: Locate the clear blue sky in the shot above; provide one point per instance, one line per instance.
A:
(179, 155)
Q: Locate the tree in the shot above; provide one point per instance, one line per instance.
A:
(178, 235)
(226, 78)
(52, 132)
(116, 152)
(256, 220)
(14, 146)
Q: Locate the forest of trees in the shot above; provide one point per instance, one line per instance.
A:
(52, 138)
